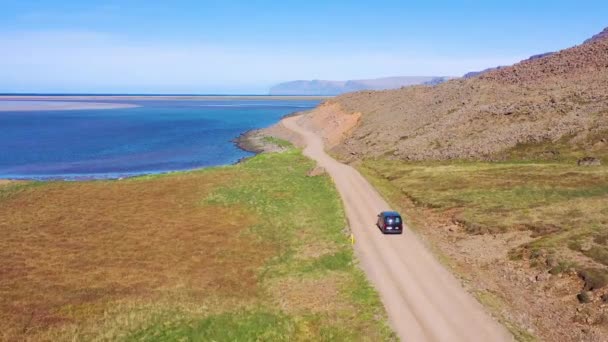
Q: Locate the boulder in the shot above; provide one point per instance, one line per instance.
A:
(584, 297)
(589, 161)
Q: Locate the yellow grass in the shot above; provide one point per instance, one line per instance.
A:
(197, 255)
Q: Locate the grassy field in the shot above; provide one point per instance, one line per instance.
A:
(563, 205)
(254, 251)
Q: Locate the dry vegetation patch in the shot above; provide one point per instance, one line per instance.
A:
(185, 256)
(314, 295)
(77, 244)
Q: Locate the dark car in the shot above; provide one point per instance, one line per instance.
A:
(390, 222)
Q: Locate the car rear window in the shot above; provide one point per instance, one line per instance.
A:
(393, 219)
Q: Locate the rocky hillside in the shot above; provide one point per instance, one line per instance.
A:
(477, 73)
(322, 87)
(601, 35)
(558, 97)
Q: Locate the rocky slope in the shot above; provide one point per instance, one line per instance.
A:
(322, 87)
(478, 73)
(563, 95)
(601, 35)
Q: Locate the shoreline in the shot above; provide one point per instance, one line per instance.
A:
(251, 141)
(9, 105)
(255, 140)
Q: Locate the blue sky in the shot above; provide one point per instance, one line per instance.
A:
(246, 46)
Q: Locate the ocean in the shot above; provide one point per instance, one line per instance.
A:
(157, 137)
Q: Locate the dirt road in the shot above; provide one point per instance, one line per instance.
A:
(424, 301)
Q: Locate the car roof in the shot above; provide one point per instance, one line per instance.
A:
(390, 213)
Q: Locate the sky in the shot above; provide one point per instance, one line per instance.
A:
(244, 47)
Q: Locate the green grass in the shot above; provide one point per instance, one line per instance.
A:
(495, 197)
(279, 142)
(562, 204)
(254, 251)
(296, 213)
(246, 326)
(301, 214)
(565, 150)
(11, 189)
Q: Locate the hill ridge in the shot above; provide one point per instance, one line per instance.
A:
(563, 95)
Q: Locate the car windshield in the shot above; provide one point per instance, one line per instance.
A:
(393, 219)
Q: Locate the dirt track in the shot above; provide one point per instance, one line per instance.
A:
(423, 300)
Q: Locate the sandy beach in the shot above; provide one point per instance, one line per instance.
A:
(12, 105)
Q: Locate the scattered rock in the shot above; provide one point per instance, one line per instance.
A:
(594, 278)
(589, 161)
(586, 246)
(543, 277)
(541, 229)
(250, 141)
(551, 261)
(584, 297)
(316, 171)
(582, 315)
(601, 319)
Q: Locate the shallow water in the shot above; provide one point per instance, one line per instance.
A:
(160, 136)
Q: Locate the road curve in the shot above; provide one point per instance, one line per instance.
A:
(423, 300)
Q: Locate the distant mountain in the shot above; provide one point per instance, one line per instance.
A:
(322, 87)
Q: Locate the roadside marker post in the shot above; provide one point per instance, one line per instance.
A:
(352, 239)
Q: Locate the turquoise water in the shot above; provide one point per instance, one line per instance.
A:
(160, 136)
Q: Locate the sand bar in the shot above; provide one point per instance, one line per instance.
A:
(157, 97)
(7, 105)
